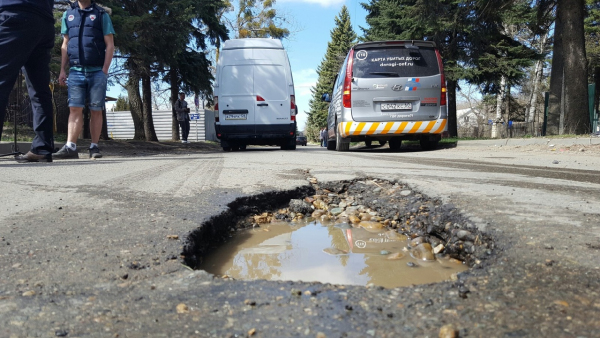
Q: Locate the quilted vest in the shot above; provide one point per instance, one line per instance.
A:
(86, 39)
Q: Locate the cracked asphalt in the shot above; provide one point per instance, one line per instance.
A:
(91, 248)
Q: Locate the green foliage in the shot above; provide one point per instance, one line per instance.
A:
(342, 39)
(122, 103)
(258, 19)
(592, 37)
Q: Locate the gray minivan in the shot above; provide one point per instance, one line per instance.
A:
(388, 91)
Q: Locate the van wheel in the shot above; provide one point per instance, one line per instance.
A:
(226, 148)
(339, 145)
(368, 143)
(429, 144)
(395, 144)
(235, 148)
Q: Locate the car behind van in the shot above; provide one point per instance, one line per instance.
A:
(254, 95)
(388, 91)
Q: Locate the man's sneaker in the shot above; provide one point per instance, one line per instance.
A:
(95, 152)
(31, 157)
(65, 153)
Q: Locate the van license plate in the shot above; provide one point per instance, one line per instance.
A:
(396, 106)
(235, 116)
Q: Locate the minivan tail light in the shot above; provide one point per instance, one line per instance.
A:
(443, 77)
(217, 103)
(347, 97)
(259, 98)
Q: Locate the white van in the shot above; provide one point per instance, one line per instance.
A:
(254, 95)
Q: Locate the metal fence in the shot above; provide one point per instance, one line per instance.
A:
(120, 125)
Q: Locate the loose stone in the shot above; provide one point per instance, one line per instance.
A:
(424, 252)
(336, 211)
(448, 331)
(182, 308)
(371, 225)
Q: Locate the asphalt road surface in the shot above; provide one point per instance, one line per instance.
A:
(91, 248)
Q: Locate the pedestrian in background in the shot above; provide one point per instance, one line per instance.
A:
(321, 137)
(26, 39)
(88, 47)
(183, 118)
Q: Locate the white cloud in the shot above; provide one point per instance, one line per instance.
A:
(323, 3)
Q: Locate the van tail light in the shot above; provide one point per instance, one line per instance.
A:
(347, 97)
(443, 77)
(259, 98)
(217, 103)
(293, 107)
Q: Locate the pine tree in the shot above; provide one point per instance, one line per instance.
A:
(342, 39)
(592, 43)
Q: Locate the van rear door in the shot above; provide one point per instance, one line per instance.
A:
(270, 86)
(237, 101)
(396, 82)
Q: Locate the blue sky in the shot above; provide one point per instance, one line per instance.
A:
(311, 25)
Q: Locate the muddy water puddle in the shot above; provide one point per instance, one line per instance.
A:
(328, 253)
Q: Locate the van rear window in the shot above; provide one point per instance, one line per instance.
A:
(395, 62)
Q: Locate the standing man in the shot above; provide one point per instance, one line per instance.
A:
(26, 39)
(181, 109)
(88, 47)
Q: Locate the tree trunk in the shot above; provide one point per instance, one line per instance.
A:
(452, 123)
(135, 105)
(577, 116)
(147, 107)
(537, 80)
(174, 93)
(499, 101)
(568, 80)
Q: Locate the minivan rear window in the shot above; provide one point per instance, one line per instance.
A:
(395, 62)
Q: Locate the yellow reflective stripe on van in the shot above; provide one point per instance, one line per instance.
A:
(387, 128)
(373, 128)
(429, 127)
(441, 128)
(384, 128)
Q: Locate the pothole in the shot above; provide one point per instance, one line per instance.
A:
(360, 232)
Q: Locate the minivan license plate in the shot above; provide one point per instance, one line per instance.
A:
(235, 116)
(396, 106)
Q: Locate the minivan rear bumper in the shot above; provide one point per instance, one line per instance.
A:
(255, 132)
(349, 129)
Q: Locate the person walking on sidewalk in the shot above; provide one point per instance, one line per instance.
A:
(88, 47)
(183, 118)
(26, 39)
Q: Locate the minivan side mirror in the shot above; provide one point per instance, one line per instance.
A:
(326, 97)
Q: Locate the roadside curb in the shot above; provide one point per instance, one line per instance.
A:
(531, 141)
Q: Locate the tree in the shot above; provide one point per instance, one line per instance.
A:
(592, 46)
(568, 110)
(157, 36)
(258, 19)
(342, 39)
(122, 103)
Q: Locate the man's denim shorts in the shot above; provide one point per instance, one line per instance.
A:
(90, 86)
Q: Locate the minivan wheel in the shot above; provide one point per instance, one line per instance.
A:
(339, 145)
(395, 144)
(429, 144)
